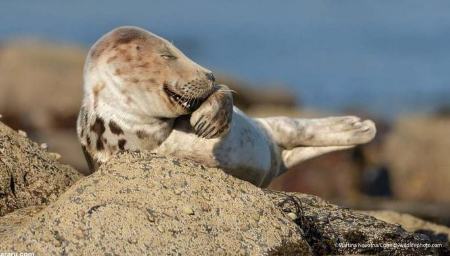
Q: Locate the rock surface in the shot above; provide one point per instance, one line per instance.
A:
(330, 229)
(11, 221)
(28, 174)
(412, 224)
(140, 203)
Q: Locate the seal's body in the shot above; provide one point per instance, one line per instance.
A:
(142, 93)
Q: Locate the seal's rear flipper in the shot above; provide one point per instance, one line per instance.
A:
(290, 133)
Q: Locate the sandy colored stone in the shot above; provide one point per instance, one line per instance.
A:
(28, 174)
(131, 207)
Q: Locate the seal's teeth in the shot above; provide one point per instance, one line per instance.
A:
(190, 104)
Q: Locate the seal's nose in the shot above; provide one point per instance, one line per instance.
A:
(210, 77)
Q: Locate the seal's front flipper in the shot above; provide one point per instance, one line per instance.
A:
(212, 119)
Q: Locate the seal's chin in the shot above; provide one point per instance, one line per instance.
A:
(189, 104)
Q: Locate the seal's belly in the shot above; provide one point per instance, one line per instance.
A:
(245, 152)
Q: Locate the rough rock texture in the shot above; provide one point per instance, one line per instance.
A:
(28, 174)
(140, 203)
(329, 228)
(11, 221)
(412, 224)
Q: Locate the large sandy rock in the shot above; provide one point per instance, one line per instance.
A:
(28, 174)
(140, 203)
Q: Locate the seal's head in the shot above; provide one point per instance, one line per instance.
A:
(139, 72)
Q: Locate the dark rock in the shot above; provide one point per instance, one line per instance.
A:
(330, 229)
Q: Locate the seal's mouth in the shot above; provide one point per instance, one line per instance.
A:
(190, 104)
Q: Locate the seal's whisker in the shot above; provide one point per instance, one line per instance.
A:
(228, 90)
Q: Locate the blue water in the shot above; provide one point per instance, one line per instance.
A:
(388, 57)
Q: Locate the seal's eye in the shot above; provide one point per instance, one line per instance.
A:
(168, 57)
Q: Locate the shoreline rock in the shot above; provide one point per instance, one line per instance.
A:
(145, 203)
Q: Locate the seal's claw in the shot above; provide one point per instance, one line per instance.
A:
(198, 128)
(212, 118)
(203, 130)
(208, 132)
(196, 125)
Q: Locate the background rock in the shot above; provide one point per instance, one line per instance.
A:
(248, 96)
(417, 152)
(41, 91)
(40, 82)
(28, 174)
(139, 203)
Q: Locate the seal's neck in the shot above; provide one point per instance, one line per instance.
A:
(104, 96)
(119, 120)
